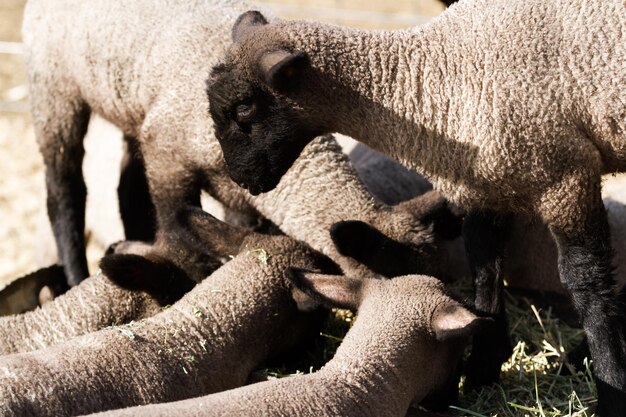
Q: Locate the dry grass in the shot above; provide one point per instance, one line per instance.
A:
(532, 382)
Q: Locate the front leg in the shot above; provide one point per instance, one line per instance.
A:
(485, 236)
(585, 268)
(176, 172)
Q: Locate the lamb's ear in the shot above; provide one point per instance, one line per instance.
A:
(282, 69)
(208, 234)
(246, 23)
(371, 247)
(356, 239)
(433, 208)
(152, 274)
(327, 290)
(452, 320)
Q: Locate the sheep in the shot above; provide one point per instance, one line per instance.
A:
(531, 265)
(394, 185)
(148, 79)
(95, 303)
(100, 301)
(208, 341)
(383, 364)
(496, 103)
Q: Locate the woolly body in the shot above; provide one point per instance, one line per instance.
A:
(208, 341)
(94, 304)
(508, 107)
(143, 66)
(382, 365)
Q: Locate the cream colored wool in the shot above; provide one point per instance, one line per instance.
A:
(143, 66)
(382, 365)
(208, 341)
(478, 113)
(90, 306)
(531, 261)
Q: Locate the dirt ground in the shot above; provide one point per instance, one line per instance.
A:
(21, 172)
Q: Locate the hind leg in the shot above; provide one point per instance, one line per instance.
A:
(578, 221)
(135, 203)
(60, 126)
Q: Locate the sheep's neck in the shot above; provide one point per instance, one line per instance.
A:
(386, 89)
(375, 372)
(216, 317)
(378, 364)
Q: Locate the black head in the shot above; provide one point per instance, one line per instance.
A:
(260, 131)
(405, 241)
(152, 274)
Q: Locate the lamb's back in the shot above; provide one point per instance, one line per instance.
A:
(120, 57)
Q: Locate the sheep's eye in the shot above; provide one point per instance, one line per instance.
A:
(245, 112)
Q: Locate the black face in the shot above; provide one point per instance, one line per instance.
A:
(260, 137)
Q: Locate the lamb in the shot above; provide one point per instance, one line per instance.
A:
(530, 266)
(382, 365)
(208, 341)
(149, 82)
(94, 304)
(501, 107)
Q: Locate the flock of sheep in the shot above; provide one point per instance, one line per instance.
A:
(513, 109)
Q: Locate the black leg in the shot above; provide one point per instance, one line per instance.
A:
(136, 208)
(63, 152)
(485, 236)
(585, 256)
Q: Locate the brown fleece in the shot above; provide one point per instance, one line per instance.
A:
(143, 65)
(208, 341)
(531, 261)
(455, 104)
(93, 304)
(383, 364)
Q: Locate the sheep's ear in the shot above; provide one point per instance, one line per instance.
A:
(282, 69)
(371, 247)
(433, 208)
(327, 290)
(247, 23)
(152, 274)
(357, 239)
(208, 234)
(451, 320)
